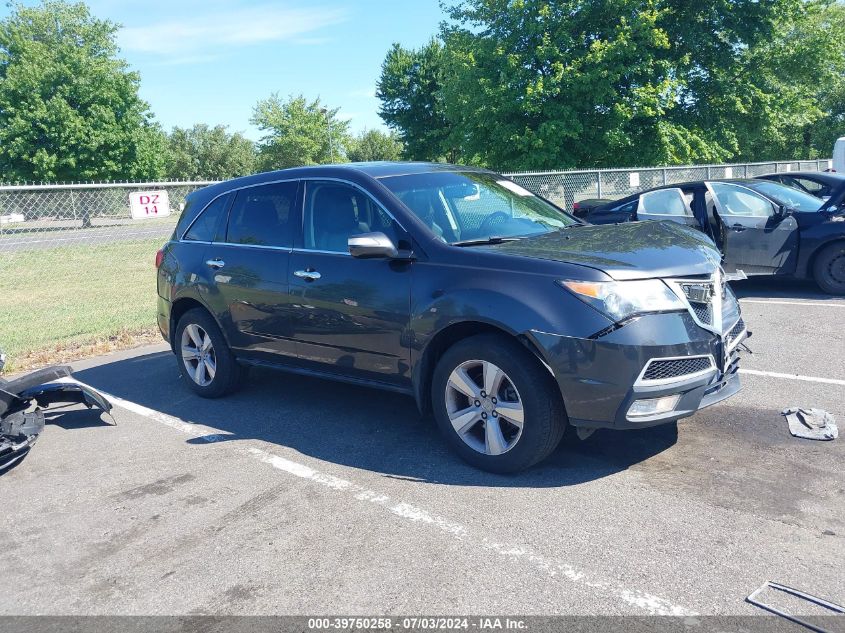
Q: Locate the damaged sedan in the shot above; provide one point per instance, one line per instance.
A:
(762, 227)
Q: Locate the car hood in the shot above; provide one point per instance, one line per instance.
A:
(633, 250)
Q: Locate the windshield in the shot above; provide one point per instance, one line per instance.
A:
(793, 198)
(468, 206)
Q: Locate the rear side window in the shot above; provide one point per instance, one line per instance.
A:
(261, 216)
(208, 226)
(814, 188)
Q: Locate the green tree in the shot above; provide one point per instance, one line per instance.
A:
(410, 90)
(298, 132)
(204, 152)
(69, 106)
(754, 74)
(542, 84)
(374, 145)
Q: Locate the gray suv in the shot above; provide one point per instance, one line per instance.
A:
(503, 316)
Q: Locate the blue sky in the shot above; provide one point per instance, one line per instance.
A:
(209, 61)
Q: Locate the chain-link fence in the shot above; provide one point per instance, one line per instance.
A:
(565, 188)
(76, 260)
(35, 217)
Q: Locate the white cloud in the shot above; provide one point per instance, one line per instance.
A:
(369, 93)
(228, 27)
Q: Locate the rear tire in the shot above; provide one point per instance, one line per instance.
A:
(518, 424)
(204, 358)
(829, 269)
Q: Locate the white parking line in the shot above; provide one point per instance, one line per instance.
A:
(820, 304)
(646, 602)
(774, 374)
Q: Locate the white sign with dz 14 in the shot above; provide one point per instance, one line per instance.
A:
(149, 204)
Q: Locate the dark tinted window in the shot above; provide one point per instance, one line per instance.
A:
(208, 226)
(262, 215)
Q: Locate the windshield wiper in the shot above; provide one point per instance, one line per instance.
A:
(486, 240)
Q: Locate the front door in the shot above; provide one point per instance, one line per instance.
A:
(250, 292)
(755, 237)
(349, 315)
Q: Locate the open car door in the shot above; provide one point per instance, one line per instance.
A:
(666, 204)
(754, 234)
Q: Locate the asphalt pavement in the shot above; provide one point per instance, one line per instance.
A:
(19, 240)
(300, 496)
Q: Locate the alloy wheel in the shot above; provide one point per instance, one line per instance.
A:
(484, 407)
(198, 355)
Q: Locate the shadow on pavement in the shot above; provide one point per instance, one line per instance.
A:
(358, 427)
(77, 418)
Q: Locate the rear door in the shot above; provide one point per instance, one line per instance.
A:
(250, 290)
(667, 204)
(754, 237)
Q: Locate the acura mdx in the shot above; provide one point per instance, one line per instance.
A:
(504, 317)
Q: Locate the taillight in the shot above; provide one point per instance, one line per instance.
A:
(159, 258)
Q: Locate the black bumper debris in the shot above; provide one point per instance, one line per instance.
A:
(22, 404)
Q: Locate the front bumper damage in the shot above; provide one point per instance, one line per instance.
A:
(22, 404)
(601, 378)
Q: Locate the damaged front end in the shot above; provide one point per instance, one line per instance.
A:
(22, 404)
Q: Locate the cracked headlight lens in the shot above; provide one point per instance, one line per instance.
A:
(619, 300)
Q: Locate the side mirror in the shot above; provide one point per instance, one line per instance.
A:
(372, 246)
(781, 211)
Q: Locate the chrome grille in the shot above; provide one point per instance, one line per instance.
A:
(703, 311)
(676, 368)
(735, 332)
(710, 301)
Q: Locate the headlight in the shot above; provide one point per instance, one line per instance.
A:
(622, 299)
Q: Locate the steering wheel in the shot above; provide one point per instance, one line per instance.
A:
(499, 217)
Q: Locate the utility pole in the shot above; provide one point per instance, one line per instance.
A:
(325, 112)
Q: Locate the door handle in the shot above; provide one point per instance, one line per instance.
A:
(308, 275)
(216, 264)
(737, 228)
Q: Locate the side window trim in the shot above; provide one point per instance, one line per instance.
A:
(234, 191)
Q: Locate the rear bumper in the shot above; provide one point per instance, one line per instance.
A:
(163, 318)
(600, 379)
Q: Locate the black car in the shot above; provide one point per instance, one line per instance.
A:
(761, 227)
(829, 186)
(502, 315)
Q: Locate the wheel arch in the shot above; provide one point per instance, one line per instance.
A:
(446, 338)
(178, 309)
(811, 260)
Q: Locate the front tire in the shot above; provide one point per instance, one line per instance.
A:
(496, 405)
(829, 269)
(204, 357)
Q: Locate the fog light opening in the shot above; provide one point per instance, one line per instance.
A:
(653, 406)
